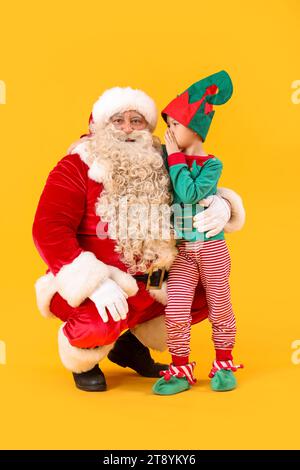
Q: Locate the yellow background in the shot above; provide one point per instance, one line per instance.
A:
(56, 59)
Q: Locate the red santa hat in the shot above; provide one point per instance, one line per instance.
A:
(118, 99)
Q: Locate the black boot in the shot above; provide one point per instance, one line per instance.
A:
(128, 351)
(91, 381)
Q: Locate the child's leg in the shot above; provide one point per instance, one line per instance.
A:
(182, 281)
(214, 267)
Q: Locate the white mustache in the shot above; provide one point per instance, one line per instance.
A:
(134, 135)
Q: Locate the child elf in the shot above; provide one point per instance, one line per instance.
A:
(194, 175)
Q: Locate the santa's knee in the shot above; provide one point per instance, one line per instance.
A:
(88, 330)
(152, 333)
(81, 353)
(88, 335)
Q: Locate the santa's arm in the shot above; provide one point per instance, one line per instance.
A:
(225, 211)
(238, 215)
(59, 212)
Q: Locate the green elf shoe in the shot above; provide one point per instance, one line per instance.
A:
(223, 381)
(171, 386)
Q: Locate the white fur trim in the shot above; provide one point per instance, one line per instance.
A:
(78, 359)
(77, 280)
(238, 215)
(124, 280)
(161, 295)
(81, 150)
(152, 333)
(118, 99)
(97, 172)
(45, 288)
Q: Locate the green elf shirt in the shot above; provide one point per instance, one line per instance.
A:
(193, 178)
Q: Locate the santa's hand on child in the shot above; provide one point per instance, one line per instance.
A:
(214, 218)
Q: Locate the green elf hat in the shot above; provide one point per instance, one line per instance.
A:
(194, 107)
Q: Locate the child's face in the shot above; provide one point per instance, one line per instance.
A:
(184, 136)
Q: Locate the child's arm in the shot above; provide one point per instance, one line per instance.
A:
(190, 190)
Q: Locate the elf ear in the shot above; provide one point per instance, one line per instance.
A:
(225, 88)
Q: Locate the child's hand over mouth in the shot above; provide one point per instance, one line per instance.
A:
(171, 143)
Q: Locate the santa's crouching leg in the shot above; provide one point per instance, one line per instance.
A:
(152, 333)
(83, 363)
(79, 359)
(131, 348)
(84, 340)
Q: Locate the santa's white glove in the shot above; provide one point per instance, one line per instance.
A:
(111, 297)
(213, 219)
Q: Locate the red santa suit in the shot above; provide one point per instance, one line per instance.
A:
(65, 234)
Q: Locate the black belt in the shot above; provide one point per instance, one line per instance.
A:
(153, 279)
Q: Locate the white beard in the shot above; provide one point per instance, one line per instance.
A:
(136, 198)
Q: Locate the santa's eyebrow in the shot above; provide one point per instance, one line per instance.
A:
(118, 115)
(137, 115)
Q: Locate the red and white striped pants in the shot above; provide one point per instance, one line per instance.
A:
(211, 261)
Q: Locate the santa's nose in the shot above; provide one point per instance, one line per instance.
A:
(127, 129)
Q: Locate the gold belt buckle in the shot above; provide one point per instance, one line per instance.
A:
(148, 286)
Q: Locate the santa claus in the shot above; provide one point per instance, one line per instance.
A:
(102, 226)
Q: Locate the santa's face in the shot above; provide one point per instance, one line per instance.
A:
(129, 121)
